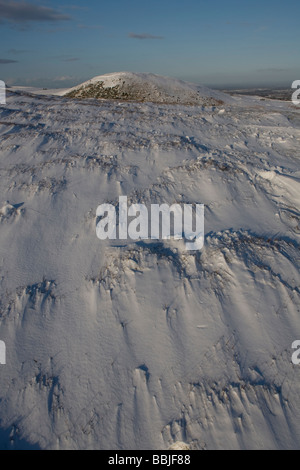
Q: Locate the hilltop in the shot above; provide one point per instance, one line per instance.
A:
(146, 87)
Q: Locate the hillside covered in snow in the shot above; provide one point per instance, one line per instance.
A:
(140, 344)
(146, 87)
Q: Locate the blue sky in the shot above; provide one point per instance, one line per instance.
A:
(217, 43)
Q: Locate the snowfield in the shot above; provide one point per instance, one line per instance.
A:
(142, 345)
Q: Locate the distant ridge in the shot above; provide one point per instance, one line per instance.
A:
(145, 87)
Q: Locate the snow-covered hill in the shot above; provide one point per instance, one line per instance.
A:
(139, 345)
(147, 87)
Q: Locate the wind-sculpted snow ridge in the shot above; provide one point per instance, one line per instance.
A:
(147, 87)
(123, 344)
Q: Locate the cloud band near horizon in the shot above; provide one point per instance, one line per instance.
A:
(24, 12)
(144, 36)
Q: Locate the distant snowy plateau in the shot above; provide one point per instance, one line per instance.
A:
(139, 345)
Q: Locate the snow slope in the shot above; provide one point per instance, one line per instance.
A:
(147, 87)
(139, 345)
(38, 91)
